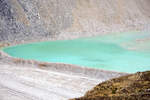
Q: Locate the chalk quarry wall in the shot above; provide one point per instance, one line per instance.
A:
(30, 19)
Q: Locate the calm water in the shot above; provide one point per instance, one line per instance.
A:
(117, 52)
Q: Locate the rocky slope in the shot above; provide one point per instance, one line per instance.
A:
(30, 19)
(130, 87)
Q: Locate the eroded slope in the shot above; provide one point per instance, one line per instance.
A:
(28, 19)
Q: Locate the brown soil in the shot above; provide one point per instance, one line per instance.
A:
(130, 87)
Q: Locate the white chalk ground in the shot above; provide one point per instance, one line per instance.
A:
(29, 83)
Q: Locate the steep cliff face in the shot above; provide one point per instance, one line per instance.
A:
(23, 19)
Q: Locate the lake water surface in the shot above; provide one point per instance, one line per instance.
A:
(123, 52)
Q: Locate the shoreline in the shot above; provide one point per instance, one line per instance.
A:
(60, 67)
(61, 36)
(64, 68)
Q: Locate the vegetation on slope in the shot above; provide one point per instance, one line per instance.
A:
(130, 87)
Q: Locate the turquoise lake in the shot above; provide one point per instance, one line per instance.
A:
(122, 52)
